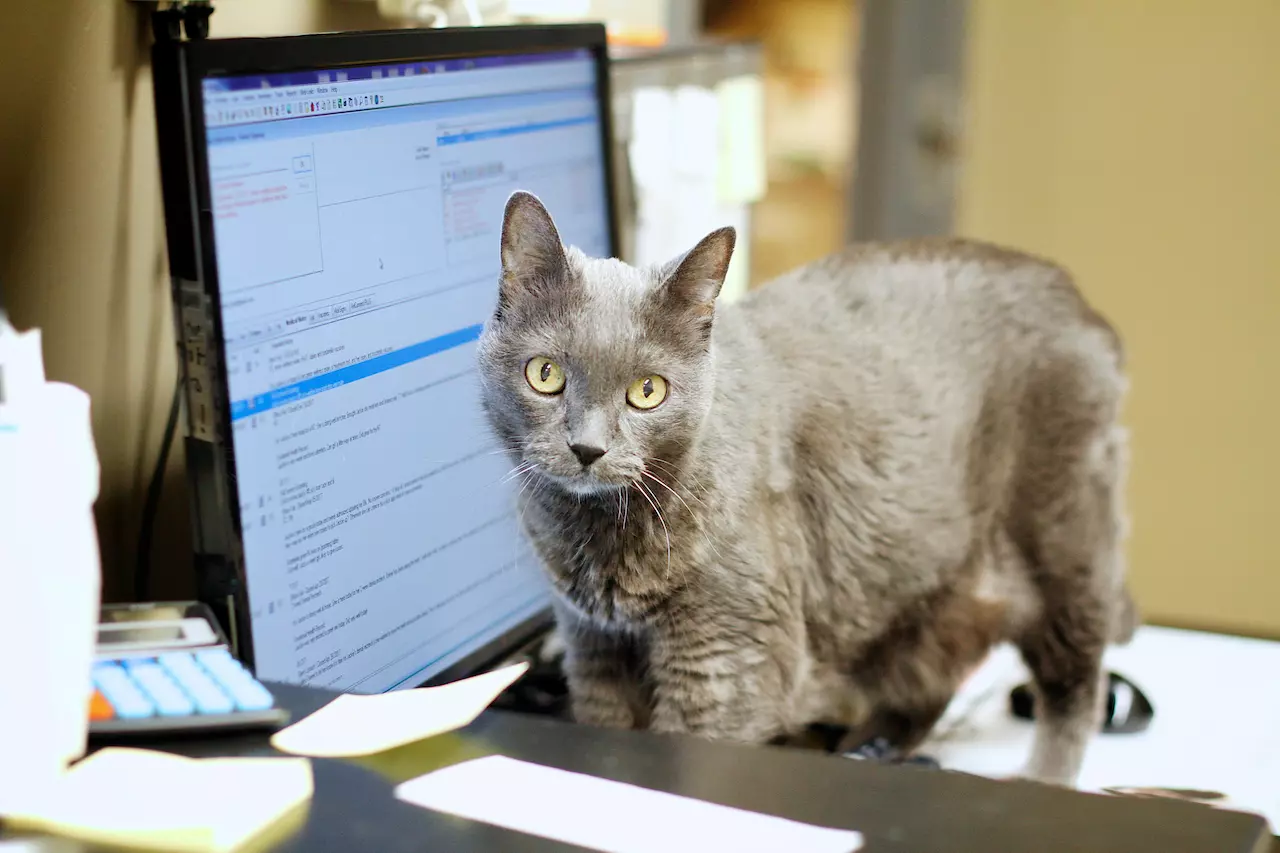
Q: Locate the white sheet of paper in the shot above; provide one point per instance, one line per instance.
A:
(150, 800)
(355, 725)
(609, 816)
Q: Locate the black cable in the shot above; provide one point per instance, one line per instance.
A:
(142, 575)
(166, 25)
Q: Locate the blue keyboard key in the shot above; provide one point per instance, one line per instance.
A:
(207, 695)
(220, 664)
(232, 677)
(125, 696)
(169, 697)
(250, 695)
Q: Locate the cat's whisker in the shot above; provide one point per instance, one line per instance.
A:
(536, 488)
(520, 505)
(517, 471)
(693, 520)
(653, 503)
(522, 468)
(688, 576)
(669, 467)
(660, 482)
(513, 473)
(525, 479)
(671, 471)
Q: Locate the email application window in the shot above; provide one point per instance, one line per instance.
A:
(356, 229)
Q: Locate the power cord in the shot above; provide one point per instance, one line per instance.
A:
(142, 572)
(167, 24)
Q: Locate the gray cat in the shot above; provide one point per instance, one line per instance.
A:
(826, 502)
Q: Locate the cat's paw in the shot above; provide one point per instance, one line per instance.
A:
(552, 647)
(877, 749)
(880, 750)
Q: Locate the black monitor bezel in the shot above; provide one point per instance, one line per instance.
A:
(178, 68)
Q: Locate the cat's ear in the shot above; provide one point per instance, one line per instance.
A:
(694, 279)
(532, 255)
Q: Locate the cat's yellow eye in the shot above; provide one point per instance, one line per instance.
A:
(544, 375)
(647, 393)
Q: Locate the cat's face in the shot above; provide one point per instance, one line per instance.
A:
(596, 374)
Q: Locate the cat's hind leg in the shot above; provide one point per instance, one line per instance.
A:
(1073, 548)
(1065, 659)
(911, 674)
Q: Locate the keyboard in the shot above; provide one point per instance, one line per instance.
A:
(202, 689)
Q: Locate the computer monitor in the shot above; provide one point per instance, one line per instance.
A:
(334, 204)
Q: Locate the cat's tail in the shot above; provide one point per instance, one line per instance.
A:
(1127, 619)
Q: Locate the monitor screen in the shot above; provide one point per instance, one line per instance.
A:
(356, 221)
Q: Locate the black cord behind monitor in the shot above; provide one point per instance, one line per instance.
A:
(142, 572)
(166, 25)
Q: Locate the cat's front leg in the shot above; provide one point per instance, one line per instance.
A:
(603, 686)
(718, 681)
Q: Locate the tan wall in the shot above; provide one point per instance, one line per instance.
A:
(1138, 141)
(82, 241)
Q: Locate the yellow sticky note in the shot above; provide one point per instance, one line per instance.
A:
(151, 800)
(353, 725)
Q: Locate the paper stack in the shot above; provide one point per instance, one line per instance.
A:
(150, 800)
(49, 566)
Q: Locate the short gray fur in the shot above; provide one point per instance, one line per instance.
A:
(866, 474)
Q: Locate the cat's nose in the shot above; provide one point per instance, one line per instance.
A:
(587, 453)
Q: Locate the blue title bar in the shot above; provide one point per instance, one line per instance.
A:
(473, 136)
(352, 373)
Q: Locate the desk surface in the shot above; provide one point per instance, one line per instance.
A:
(896, 808)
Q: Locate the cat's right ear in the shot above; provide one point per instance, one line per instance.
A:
(532, 255)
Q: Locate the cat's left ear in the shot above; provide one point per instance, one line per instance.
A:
(693, 281)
